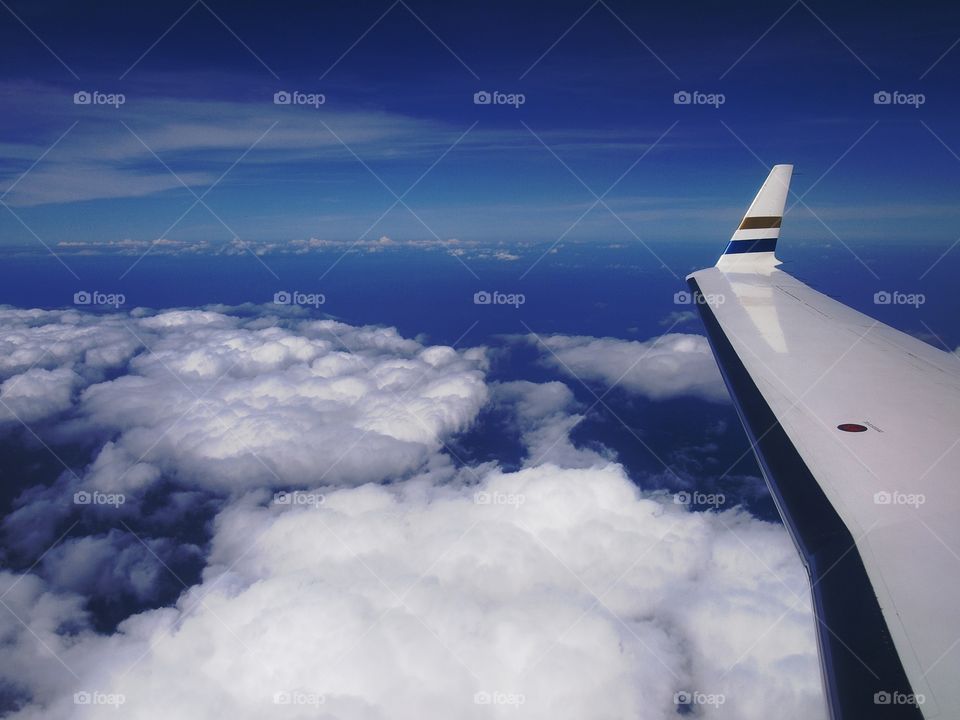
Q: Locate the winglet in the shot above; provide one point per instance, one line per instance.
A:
(753, 244)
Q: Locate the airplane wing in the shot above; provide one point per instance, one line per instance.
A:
(856, 427)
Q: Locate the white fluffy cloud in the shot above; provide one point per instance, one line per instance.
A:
(564, 586)
(672, 365)
(46, 356)
(544, 415)
(398, 583)
(230, 403)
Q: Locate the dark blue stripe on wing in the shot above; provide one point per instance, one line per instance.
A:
(751, 246)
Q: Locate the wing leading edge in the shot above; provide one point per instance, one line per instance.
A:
(855, 426)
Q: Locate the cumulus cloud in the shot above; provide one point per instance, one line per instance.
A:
(46, 356)
(218, 404)
(563, 586)
(672, 365)
(37, 393)
(230, 405)
(387, 579)
(543, 416)
(113, 564)
(233, 403)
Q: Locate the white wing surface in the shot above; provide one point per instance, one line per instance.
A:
(857, 429)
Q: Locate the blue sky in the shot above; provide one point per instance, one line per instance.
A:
(798, 83)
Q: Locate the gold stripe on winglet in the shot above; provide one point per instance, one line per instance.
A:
(763, 221)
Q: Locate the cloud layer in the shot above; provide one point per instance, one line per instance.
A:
(356, 568)
(671, 365)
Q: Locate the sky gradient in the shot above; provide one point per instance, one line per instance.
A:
(399, 120)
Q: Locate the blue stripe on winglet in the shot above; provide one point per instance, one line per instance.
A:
(751, 246)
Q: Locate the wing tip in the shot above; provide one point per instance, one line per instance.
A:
(754, 242)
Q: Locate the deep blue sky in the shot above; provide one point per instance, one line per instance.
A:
(798, 82)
